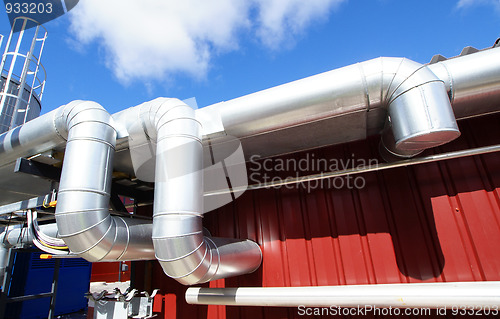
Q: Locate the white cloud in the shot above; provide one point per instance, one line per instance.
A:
(279, 21)
(150, 39)
(468, 3)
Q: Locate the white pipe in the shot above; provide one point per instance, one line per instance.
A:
(431, 295)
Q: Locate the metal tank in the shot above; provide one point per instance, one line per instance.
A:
(23, 77)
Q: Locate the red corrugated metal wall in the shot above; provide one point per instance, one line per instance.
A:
(426, 223)
(110, 272)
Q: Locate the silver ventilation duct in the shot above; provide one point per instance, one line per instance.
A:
(359, 100)
(411, 100)
(82, 212)
(419, 109)
(184, 253)
(343, 101)
(472, 81)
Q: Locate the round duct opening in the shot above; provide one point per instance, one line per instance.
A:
(387, 148)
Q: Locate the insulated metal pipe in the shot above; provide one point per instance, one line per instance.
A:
(428, 295)
(18, 235)
(416, 100)
(472, 82)
(36, 136)
(82, 211)
(349, 103)
(184, 253)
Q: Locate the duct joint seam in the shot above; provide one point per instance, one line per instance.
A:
(184, 253)
(110, 227)
(365, 87)
(82, 212)
(84, 229)
(128, 237)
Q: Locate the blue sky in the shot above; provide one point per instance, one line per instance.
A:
(123, 57)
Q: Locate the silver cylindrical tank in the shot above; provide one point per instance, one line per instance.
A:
(10, 116)
(22, 77)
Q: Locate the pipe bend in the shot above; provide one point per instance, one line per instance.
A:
(420, 114)
(153, 114)
(180, 247)
(82, 211)
(409, 75)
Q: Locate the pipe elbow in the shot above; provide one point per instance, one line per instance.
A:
(182, 250)
(184, 253)
(189, 257)
(154, 114)
(420, 114)
(82, 211)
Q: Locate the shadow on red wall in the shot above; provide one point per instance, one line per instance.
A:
(433, 222)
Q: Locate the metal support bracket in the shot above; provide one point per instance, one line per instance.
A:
(37, 169)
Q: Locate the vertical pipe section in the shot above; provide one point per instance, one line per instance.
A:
(82, 211)
(184, 253)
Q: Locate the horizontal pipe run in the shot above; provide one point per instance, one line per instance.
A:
(365, 169)
(428, 295)
(471, 81)
(36, 136)
(18, 235)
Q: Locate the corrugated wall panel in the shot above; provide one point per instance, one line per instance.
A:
(110, 272)
(427, 223)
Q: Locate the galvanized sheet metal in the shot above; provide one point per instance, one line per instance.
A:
(436, 222)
